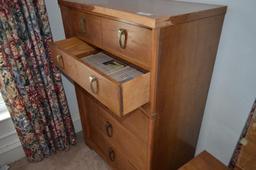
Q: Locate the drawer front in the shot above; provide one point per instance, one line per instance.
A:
(87, 27)
(131, 42)
(112, 155)
(111, 130)
(67, 22)
(138, 124)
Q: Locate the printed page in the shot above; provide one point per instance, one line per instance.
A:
(115, 69)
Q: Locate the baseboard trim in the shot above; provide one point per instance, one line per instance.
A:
(12, 155)
(10, 146)
(6, 135)
(9, 141)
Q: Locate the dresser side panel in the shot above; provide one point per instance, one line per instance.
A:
(186, 59)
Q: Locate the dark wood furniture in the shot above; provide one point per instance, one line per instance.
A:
(151, 121)
(204, 161)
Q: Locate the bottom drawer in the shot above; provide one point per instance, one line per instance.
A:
(127, 137)
(101, 122)
(112, 155)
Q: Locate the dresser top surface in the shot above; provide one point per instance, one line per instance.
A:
(155, 10)
(150, 8)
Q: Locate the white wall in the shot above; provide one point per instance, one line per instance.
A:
(58, 34)
(233, 86)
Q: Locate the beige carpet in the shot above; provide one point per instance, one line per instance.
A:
(79, 157)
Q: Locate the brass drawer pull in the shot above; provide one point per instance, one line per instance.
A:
(60, 60)
(111, 154)
(94, 84)
(122, 37)
(83, 24)
(109, 129)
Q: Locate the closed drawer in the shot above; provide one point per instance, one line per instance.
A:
(113, 156)
(87, 27)
(102, 123)
(120, 98)
(131, 42)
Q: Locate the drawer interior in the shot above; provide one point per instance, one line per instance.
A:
(111, 67)
(121, 86)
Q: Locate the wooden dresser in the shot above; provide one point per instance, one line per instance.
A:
(153, 120)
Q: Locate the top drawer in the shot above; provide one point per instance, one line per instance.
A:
(87, 27)
(127, 41)
(131, 42)
(120, 97)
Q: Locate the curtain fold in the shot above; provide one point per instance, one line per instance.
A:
(31, 84)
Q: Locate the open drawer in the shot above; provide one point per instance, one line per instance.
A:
(120, 97)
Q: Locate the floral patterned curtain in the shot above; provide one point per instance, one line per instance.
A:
(31, 84)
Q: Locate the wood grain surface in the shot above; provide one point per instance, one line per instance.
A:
(204, 161)
(148, 13)
(186, 59)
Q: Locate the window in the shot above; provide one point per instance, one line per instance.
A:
(4, 114)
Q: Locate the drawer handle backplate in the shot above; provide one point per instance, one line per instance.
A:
(94, 84)
(83, 24)
(122, 37)
(60, 61)
(109, 129)
(111, 154)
